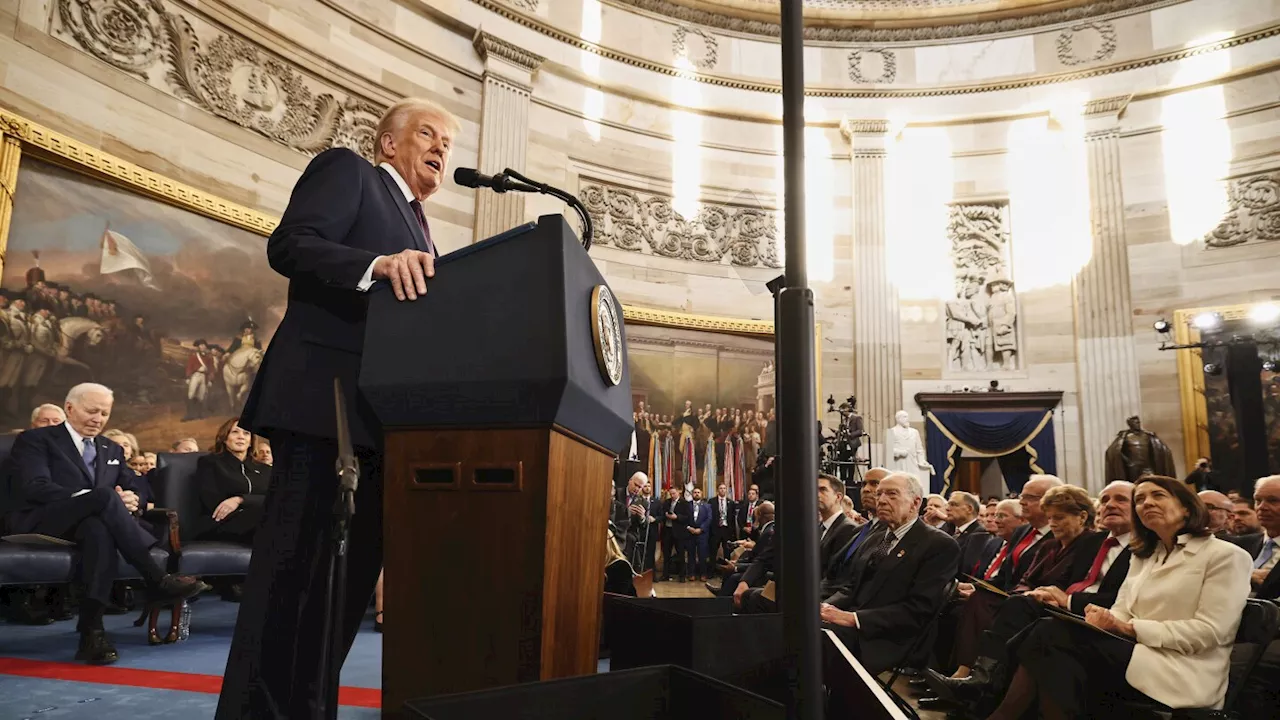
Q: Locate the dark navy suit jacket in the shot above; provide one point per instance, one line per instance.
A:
(344, 213)
(46, 468)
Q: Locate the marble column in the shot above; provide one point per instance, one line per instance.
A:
(1105, 355)
(877, 350)
(504, 128)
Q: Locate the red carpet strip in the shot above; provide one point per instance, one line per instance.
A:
(154, 679)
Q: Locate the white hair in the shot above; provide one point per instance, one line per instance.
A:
(1011, 505)
(912, 482)
(48, 406)
(1263, 481)
(969, 499)
(77, 393)
(1052, 480)
(397, 115)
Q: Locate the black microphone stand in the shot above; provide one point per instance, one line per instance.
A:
(344, 508)
(588, 228)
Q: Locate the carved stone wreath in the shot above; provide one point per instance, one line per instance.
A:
(1253, 212)
(888, 73)
(680, 47)
(1106, 43)
(646, 223)
(230, 77)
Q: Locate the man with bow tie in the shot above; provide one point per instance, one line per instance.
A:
(71, 484)
(350, 227)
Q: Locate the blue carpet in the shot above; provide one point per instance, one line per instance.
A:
(205, 652)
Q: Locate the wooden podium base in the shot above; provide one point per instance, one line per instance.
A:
(494, 559)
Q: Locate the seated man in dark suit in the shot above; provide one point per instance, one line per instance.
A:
(74, 485)
(835, 529)
(896, 583)
(764, 560)
(962, 512)
(1262, 546)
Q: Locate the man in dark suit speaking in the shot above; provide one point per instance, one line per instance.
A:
(349, 225)
(70, 483)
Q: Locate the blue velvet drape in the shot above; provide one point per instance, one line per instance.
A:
(1023, 442)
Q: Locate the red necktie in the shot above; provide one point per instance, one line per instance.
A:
(1096, 570)
(1025, 543)
(994, 567)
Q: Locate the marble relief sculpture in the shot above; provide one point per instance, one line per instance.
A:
(906, 451)
(982, 319)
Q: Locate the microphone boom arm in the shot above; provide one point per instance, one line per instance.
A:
(588, 228)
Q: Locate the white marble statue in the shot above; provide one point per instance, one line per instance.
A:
(906, 451)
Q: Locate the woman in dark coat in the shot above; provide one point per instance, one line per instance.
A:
(233, 486)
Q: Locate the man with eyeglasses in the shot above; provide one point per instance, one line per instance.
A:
(1020, 552)
(1219, 512)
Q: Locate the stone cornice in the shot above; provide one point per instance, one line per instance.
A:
(829, 29)
(1108, 106)
(488, 46)
(849, 127)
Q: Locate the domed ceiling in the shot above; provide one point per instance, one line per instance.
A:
(891, 20)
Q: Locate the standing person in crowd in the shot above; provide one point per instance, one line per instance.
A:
(675, 512)
(724, 522)
(698, 543)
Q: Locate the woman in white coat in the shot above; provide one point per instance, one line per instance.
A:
(1176, 617)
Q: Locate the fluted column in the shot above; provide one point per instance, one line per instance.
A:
(504, 128)
(1106, 360)
(877, 349)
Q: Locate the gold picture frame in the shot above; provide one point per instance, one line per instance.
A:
(21, 136)
(1195, 410)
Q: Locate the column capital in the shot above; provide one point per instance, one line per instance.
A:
(1102, 116)
(505, 59)
(865, 136)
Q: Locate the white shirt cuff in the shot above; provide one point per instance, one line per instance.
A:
(366, 281)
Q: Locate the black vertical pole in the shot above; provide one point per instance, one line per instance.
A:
(1244, 383)
(798, 471)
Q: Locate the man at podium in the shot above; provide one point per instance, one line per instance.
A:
(349, 226)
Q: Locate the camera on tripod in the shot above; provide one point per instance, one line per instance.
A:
(840, 450)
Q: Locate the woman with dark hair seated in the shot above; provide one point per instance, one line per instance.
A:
(1172, 626)
(232, 485)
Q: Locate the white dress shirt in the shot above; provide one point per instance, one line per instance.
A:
(826, 524)
(1112, 554)
(724, 511)
(899, 533)
(366, 281)
(965, 526)
(76, 438)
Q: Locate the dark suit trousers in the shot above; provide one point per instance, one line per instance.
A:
(100, 525)
(696, 554)
(273, 669)
(1017, 613)
(672, 553)
(978, 615)
(1079, 670)
(719, 537)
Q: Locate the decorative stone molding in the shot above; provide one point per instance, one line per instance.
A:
(530, 5)
(488, 46)
(680, 47)
(573, 40)
(1102, 107)
(644, 222)
(849, 128)
(1106, 39)
(981, 322)
(1253, 212)
(888, 70)
(689, 321)
(220, 73)
(831, 32)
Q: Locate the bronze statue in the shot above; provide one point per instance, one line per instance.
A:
(1136, 452)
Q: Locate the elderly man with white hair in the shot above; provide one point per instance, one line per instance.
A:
(72, 484)
(349, 226)
(894, 586)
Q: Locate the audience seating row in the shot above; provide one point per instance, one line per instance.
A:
(29, 560)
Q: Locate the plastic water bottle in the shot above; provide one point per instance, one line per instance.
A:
(184, 623)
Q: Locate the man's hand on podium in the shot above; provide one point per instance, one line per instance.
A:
(407, 271)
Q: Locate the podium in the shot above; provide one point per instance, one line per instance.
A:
(501, 425)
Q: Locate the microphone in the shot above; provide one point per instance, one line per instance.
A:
(511, 181)
(500, 183)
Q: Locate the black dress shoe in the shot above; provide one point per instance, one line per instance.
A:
(28, 614)
(96, 649)
(918, 683)
(178, 587)
(959, 689)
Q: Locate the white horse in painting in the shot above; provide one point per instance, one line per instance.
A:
(238, 372)
(72, 330)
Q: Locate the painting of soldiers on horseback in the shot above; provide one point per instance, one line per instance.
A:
(171, 309)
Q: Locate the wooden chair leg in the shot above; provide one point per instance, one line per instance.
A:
(153, 617)
(174, 618)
